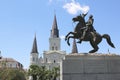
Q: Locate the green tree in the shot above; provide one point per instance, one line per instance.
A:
(3, 64)
(42, 73)
(12, 74)
(55, 73)
(34, 71)
(48, 74)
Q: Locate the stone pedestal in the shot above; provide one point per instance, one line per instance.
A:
(90, 67)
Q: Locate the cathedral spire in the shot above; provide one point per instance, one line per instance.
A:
(74, 47)
(34, 48)
(0, 55)
(54, 31)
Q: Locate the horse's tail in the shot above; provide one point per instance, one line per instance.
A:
(107, 37)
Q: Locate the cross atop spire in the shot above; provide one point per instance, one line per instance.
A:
(74, 47)
(34, 48)
(54, 31)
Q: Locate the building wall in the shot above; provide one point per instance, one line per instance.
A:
(91, 67)
(53, 56)
(34, 58)
(10, 63)
(52, 59)
(54, 44)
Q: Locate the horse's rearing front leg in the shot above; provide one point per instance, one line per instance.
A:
(66, 37)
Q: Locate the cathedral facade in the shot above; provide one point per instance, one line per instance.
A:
(52, 57)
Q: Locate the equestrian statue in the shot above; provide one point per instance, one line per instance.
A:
(84, 31)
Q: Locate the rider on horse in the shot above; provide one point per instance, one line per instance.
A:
(88, 28)
(89, 24)
(86, 31)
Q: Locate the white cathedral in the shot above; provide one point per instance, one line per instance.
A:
(54, 55)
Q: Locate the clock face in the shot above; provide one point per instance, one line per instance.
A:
(54, 56)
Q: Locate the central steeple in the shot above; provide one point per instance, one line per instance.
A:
(34, 53)
(54, 31)
(54, 40)
(34, 48)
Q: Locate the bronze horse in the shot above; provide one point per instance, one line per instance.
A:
(93, 37)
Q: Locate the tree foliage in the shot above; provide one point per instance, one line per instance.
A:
(12, 74)
(42, 73)
(33, 71)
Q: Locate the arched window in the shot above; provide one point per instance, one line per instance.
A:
(52, 48)
(33, 59)
(46, 60)
(54, 61)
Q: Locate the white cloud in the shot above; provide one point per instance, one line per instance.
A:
(50, 1)
(62, 37)
(74, 7)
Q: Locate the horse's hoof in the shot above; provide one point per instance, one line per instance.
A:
(65, 39)
(68, 44)
(92, 51)
(79, 42)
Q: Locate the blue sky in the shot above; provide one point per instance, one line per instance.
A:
(21, 19)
